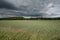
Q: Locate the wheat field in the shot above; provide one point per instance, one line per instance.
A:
(29, 29)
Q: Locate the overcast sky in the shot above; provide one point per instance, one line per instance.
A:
(29, 7)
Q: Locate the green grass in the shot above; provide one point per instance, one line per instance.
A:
(30, 30)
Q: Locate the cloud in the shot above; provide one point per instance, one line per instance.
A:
(43, 8)
(4, 4)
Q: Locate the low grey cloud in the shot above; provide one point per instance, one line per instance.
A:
(44, 8)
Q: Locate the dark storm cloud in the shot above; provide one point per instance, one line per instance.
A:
(4, 4)
(44, 8)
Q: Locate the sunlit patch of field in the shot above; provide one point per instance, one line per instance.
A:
(30, 30)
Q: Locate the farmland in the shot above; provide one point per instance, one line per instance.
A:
(29, 29)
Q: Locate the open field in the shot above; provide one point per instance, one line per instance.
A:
(29, 29)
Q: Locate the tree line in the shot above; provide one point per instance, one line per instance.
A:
(22, 18)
